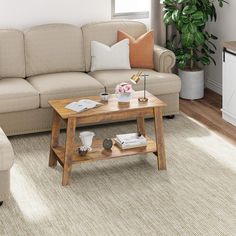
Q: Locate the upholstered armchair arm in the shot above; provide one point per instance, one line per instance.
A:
(164, 59)
(6, 152)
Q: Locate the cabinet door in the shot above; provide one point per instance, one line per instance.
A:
(229, 84)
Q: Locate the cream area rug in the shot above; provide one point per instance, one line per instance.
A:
(196, 195)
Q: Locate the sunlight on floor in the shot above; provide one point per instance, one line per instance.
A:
(26, 196)
(217, 148)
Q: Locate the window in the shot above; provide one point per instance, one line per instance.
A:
(130, 9)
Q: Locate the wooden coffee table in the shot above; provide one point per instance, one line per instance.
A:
(67, 156)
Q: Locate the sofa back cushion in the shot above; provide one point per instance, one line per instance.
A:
(106, 33)
(54, 48)
(12, 57)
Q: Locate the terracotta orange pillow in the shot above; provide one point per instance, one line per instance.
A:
(141, 49)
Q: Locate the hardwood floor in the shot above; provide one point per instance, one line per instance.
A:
(207, 111)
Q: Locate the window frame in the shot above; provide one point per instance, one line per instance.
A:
(127, 15)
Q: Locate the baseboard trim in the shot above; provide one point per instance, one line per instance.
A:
(216, 87)
(229, 117)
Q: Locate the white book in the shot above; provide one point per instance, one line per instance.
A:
(130, 138)
(82, 105)
(130, 145)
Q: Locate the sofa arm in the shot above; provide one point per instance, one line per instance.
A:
(164, 59)
(7, 154)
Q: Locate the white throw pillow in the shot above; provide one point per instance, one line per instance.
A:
(110, 58)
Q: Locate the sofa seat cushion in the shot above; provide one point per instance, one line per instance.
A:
(157, 83)
(16, 94)
(64, 85)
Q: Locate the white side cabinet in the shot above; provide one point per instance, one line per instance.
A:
(229, 82)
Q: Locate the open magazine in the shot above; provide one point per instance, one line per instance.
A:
(82, 105)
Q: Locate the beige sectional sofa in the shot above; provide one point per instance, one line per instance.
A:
(53, 62)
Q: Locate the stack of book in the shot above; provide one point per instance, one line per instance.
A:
(132, 140)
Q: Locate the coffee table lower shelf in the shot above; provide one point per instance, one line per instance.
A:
(98, 153)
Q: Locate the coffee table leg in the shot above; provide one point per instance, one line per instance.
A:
(56, 125)
(158, 121)
(69, 150)
(141, 125)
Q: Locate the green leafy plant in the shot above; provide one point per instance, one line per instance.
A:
(192, 44)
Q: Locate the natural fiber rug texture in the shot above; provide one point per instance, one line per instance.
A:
(196, 195)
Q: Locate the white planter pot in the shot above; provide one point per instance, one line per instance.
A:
(87, 139)
(124, 97)
(192, 84)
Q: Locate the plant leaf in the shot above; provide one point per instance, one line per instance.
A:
(187, 39)
(181, 1)
(167, 18)
(175, 15)
(192, 28)
(189, 9)
(213, 37)
(198, 15)
(169, 2)
(199, 22)
(213, 45)
(205, 60)
(199, 38)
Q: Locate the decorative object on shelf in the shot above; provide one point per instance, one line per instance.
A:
(135, 79)
(104, 96)
(82, 151)
(192, 44)
(131, 140)
(107, 143)
(124, 92)
(87, 139)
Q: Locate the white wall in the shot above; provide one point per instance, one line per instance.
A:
(22, 14)
(225, 29)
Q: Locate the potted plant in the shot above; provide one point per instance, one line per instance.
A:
(192, 44)
(124, 92)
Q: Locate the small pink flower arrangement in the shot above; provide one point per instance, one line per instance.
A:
(124, 88)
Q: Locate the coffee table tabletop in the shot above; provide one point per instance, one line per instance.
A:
(108, 107)
(67, 155)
